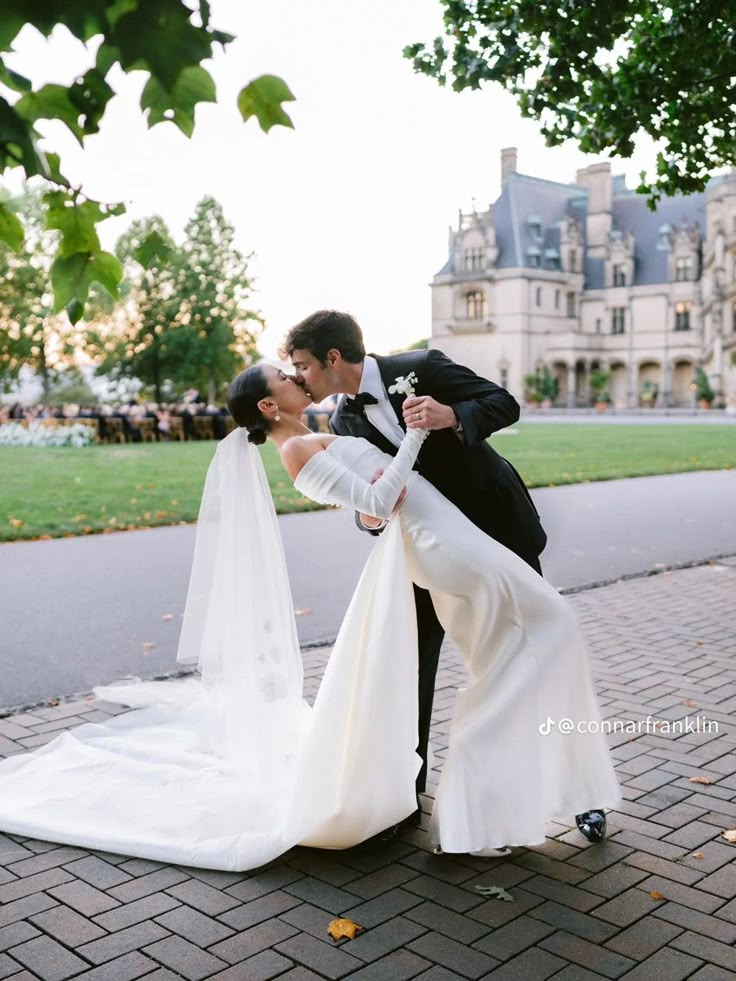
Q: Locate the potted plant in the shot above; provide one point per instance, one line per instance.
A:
(599, 382)
(648, 394)
(703, 391)
(549, 387)
(532, 393)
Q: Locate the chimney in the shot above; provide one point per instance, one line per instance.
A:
(508, 162)
(597, 179)
(599, 219)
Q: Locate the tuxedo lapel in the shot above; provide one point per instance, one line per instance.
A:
(388, 377)
(353, 424)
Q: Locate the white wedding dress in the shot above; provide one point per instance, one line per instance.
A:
(231, 769)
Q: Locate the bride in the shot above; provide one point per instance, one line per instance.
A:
(230, 769)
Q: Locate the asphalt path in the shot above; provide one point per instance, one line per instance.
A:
(76, 612)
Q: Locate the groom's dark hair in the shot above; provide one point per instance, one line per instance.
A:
(324, 331)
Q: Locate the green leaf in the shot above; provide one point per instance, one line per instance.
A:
(51, 102)
(52, 170)
(75, 310)
(107, 56)
(177, 106)
(11, 230)
(262, 98)
(160, 36)
(76, 222)
(19, 83)
(72, 276)
(90, 95)
(9, 28)
(117, 8)
(18, 141)
(152, 247)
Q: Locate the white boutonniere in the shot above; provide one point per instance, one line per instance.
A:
(405, 385)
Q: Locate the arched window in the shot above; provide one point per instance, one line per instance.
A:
(682, 316)
(475, 305)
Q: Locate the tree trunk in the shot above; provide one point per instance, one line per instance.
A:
(157, 372)
(43, 370)
(212, 390)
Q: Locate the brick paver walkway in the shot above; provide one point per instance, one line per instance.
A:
(656, 901)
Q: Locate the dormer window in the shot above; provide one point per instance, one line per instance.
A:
(474, 259)
(683, 268)
(552, 258)
(664, 238)
(535, 226)
(619, 274)
(534, 256)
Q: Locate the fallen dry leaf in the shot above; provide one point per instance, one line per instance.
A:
(340, 928)
(656, 895)
(147, 645)
(495, 892)
(302, 613)
(705, 780)
(690, 703)
(697, 855)
(168, 616)
(53, 701)
(729, 835)
(15, 522)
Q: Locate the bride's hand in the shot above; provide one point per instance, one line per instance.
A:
(367, 519)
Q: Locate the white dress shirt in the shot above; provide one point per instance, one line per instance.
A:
(381, 415)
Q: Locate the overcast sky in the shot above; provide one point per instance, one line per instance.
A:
(351, 208)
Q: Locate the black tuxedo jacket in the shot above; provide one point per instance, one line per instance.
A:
(480, 482)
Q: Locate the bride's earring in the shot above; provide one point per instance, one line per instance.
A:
(277, 418)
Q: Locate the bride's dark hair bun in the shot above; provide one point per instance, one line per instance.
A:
(256, 434)
(243, 396)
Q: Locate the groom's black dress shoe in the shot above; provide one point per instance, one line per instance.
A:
(592, 824)
(392, 833)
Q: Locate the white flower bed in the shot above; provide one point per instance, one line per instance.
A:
(13, 434)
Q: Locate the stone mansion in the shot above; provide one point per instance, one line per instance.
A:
(584, 276)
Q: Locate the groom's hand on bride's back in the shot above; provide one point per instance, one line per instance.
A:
(367, 520)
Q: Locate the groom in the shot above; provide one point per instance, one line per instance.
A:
(462, 410)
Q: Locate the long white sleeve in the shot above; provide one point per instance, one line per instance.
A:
(327, 480)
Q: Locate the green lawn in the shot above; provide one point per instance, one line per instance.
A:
(56, 492)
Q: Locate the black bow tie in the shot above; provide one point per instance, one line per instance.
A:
(355, 405)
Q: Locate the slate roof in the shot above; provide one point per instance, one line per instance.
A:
(525, 197)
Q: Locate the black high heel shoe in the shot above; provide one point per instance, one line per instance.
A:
(592, 824)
